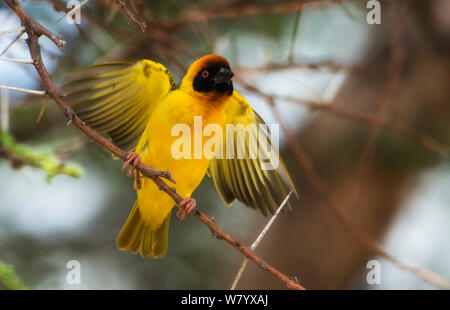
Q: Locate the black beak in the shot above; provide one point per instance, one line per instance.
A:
(224, 75)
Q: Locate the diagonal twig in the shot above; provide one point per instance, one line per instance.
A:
(335, 206)
(76, 8)
(15, 30)
(244, 10)
(131, 16)
(41, 113)
(34, 30)
(24, 90)
(258, 240)
(370, 119)
(394, 71)
(12, 42)
(4, 110)
(16, 60)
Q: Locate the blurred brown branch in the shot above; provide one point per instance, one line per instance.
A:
(320, 187)
(238, 11)
(376, 121)
(163, 38)
(367, 118)
(34, 31)
(130, 15)
(396, 60)
(372, 120)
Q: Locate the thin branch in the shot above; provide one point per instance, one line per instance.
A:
(369, 118)
(396, 60)
(320, 187)
(271, 67)
(16, 60)
(130, 15)
(4, 110)
(258, 240)
(294, 38)
(15, 30)
(12, 42)
(73, 10)
(24, 90)
(34, 30)
(41, 113)
(243, 11)
(269, 224)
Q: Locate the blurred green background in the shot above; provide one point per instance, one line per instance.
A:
(325, 53)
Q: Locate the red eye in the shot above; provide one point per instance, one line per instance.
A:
(205, 74)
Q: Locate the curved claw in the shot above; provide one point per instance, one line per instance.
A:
(133, 160)
(187, 207)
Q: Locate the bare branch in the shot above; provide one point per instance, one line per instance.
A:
(15, 30)
(258, 240)
(320, 187)
(16, 60)
(41, 113)
(24, 90)
(393, 80)
(4, 110)
(130, 15)
(245, 10)
(76, 8)
(370, 119)
(34, 30)
(294, 38)
(12, 42)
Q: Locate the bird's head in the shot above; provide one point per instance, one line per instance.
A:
(210, 77)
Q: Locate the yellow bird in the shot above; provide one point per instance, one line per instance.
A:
(139, 106)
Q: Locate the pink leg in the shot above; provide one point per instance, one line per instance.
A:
(133, 159)
(189, 205)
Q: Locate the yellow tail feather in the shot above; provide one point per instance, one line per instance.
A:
(136, 236)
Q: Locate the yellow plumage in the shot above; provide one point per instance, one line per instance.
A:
(137, 105)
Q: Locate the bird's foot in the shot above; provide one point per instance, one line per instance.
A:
(132, 160)
(187, 207)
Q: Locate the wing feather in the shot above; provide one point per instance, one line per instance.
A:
(118, 98)
(244, 178)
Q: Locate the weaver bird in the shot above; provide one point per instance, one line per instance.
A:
(138, 104)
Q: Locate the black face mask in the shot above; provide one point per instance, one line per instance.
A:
(214, 78)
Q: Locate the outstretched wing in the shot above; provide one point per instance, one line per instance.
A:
(251, 169)
(118, 98)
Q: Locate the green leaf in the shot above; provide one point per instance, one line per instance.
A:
(8, 278)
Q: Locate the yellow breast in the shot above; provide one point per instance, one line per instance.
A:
(176, 140)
